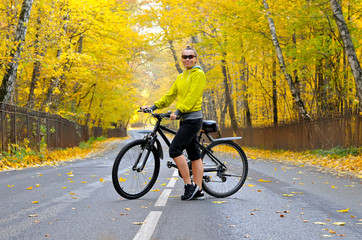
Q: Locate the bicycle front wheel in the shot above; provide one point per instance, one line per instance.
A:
(129, 182)
(225, 168)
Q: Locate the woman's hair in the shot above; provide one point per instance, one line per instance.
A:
(191, 48)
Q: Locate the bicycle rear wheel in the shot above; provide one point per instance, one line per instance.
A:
(130, 183)
(226, 176)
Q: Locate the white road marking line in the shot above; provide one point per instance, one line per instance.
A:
(150, 223)
(148, 227)
(171, 183)
(162, 200)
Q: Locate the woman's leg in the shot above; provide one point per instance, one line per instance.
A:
(183, 168)
(198, 172)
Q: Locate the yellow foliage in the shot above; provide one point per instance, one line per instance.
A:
(349, 164)
(51, 158)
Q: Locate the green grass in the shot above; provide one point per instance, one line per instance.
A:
(90, 141)
(337, 152)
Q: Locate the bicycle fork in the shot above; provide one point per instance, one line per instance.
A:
(143, 163)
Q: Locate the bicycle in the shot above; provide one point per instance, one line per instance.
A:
(137, 165)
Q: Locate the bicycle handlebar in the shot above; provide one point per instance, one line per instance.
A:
(158, 115)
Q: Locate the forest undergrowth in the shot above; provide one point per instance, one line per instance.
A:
(21, 156)
(337, 160)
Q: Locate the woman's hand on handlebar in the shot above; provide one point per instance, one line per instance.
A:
(173, 116)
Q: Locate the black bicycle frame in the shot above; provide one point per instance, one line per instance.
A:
(158, 128)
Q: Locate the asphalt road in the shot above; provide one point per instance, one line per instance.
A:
(76, 200)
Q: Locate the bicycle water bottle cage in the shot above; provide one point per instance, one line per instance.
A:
(209, 126)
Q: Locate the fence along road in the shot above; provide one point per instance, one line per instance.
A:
(18, 123)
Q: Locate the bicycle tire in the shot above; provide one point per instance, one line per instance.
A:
(230, 180)
(129, 183)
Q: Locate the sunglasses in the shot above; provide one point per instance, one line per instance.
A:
(188, 56)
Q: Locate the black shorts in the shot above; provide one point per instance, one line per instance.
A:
(185, 138)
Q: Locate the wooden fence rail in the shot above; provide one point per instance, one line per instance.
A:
(320, 134)
(18, 124)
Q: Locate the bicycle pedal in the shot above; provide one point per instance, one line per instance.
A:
(170, 164)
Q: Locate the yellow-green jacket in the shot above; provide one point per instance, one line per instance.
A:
(188, 88)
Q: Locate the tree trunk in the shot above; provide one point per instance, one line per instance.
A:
(54, 82)
(177, 65)
(228, 98)
(7, 87)
(275, 96)
(349, 47)
(294, 90)
(36, 66)
(195, 40)
(244, 77)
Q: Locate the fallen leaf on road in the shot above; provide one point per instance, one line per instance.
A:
(163, 184)
(127, 209)
(33, 215)
(71, 193)
(331, 231)
(218, 202)
(262, 180)
(121, 179)
(344, 210)
(251, 185)
(29, 188)
(101, 180)
(333, 186)
(93, 175)
(288, 195)
(339, 223)
(10, 186)
(34, 202)
(319, 223)
(138, 223)
(37, 221)
(71, 172)
(38, 185)
(155, 190)
(83, 181)
(64, 187)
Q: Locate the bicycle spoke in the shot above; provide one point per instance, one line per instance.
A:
(129, 182)
(225, 167)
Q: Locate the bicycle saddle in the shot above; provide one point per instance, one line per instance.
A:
(209, 126)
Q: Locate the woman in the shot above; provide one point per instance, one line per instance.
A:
(188, 88)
